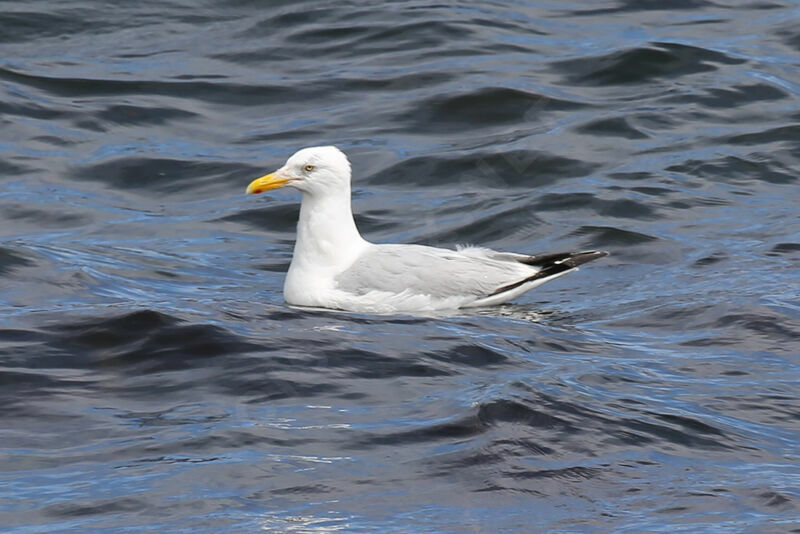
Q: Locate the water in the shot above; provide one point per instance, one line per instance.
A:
(152, 379)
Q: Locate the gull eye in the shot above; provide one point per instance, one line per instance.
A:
(308, 168)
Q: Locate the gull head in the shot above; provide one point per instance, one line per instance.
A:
(311, 170)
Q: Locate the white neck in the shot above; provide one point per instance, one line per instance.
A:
(326, 232)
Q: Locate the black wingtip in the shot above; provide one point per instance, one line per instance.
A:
(553, 264)
(567, 259)
(579, 258)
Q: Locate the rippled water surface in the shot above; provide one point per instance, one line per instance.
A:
(153, 380)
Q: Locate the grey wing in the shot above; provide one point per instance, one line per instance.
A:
(437, 272)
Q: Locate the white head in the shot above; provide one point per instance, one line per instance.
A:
(312, 170)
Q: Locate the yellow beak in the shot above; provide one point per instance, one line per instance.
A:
(265, 183)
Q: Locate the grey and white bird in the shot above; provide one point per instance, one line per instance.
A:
(334, 267)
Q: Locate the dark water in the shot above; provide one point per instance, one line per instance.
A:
(152, 380)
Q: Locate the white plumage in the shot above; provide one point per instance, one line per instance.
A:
(334, 267)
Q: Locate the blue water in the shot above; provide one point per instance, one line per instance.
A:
(152, 378)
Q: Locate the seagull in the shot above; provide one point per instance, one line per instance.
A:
(334, 267)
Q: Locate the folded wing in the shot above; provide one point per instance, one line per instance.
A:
(472, 273)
